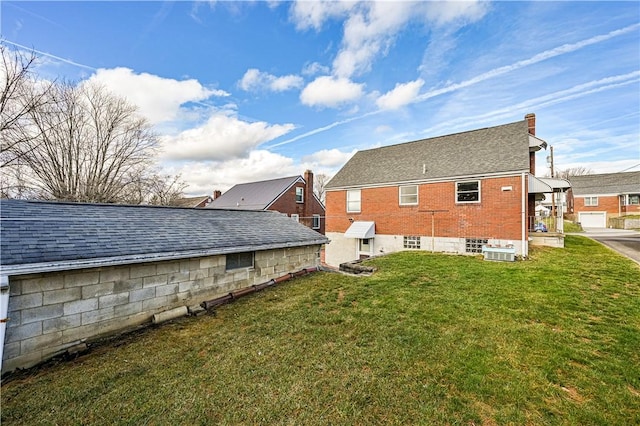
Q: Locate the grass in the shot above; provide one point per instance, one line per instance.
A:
(428, 339)
(572, 227)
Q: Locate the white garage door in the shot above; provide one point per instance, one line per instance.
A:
(593, 219)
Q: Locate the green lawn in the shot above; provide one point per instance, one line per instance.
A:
(428, 339)
(572, 227)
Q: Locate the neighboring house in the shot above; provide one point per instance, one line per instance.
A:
(452, 193)
(195, 202)
(78, 271)
(594, 199)
(292, 195)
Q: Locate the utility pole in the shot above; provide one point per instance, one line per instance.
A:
(433, 226)
(553, 194)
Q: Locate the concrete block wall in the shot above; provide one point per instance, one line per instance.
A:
(343, 249)
(51, 312)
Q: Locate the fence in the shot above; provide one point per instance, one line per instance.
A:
(545, 224)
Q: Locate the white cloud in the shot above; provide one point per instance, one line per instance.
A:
(447, 12)
(159, 99)
(315, 68)
(313, 14)
(222, 137)
(401, 95)
(370, 27)
(255, 79)
(328, 158)
(369, 31)
(206, 176)
(331, 92)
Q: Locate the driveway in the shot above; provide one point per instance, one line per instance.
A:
(624, 241)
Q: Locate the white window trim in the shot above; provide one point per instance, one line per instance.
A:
(479, 192)
(316, 217)
(400, 188)
(591, 204)
(354, 191)
(301, 194)
(626, 200)
(295, 217)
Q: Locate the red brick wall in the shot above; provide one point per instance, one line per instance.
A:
(287, 204)
(497, 216)
(605, 203)
(631, 209)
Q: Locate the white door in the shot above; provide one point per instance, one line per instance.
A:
(592, 219)
(365, 248)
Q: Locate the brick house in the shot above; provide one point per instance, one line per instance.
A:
(195, 202)
(452, 193)
(291, 195)
(594, 199)
(74, 272)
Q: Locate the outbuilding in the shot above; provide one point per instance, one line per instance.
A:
(73, 272)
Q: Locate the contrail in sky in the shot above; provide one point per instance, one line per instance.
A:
(547, 54)
(49, 55)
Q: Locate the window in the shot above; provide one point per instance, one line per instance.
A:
(411, 242)
(316, 221)
(239, 260)
(633, 200)
(353, 201)
(295, 217)
(590, 201)
(474, 245)
(299, 195)
(468, 192)
(408, 195)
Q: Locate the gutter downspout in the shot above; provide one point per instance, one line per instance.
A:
(4, 310)
(525, 245)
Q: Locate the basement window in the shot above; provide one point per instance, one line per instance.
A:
(474, 245)
(239, 261)
(411, 242)
(468, 192)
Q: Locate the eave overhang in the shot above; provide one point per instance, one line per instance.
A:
(536, 144)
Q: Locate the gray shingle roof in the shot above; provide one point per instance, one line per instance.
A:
(498, 149)
(607, 183)
(43, 232)
(254, 195)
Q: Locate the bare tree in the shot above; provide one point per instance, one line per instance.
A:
(155, 189)
(573, 171)
(319, 184)
(85, 144)
(20, 95)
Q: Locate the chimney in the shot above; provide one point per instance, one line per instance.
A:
(531, 122)
(216, 194)
(308, 193)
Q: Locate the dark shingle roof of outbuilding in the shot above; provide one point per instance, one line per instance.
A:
(607, 183)
(498, 149)
(254, 195)
(35, 232)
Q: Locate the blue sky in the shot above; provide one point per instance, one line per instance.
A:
(244, 91)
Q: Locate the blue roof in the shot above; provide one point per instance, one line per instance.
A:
(37, 232)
